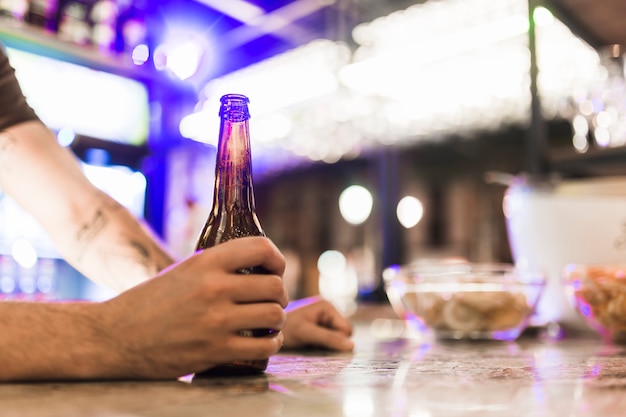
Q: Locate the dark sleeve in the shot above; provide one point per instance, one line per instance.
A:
(13, 106)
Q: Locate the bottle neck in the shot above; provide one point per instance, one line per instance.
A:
(233, 168)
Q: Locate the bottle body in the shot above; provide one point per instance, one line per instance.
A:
(233, 212)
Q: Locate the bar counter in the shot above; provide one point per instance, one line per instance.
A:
(383, 377)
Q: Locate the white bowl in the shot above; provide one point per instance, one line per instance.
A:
(550, 226)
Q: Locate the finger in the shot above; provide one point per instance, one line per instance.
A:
(333, 319)
(327, 338)
(247, 348)
(250, 251)
(258, 288)
(243, 349)
(254, 316)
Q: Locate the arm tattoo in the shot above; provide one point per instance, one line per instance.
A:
(130, 261)
(89, 230)
(128, 250)
(140, 253)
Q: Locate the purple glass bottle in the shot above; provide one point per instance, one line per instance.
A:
(233, 213)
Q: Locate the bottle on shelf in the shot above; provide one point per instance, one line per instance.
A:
(233, 213)
(43, 13)
(13, 9)
(73, 22)
(104, 15)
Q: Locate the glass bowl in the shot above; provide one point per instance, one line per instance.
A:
(598, 293)
(464, 300)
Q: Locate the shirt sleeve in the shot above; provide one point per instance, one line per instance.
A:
(13, 106)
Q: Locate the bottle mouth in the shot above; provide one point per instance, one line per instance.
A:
(234, 97)
(234, 107)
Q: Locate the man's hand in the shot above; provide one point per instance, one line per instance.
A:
(313, 322)
(189, 318)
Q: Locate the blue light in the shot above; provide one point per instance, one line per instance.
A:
(98, 157)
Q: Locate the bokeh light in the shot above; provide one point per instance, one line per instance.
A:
(184, 60)
(65, 136)
(140, 54)
(409, 211)
(338, 281)
(331, 262)
(355, 204)
(24, 253)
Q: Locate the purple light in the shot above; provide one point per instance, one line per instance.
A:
(576, 284)
(595, 370)
(586, 310)
(279, 388)
(184, 46)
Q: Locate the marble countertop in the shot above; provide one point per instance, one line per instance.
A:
(395, 377)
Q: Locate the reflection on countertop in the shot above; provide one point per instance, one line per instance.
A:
(405, 376)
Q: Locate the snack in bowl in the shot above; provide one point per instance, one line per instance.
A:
(464, 300)
(598, 293)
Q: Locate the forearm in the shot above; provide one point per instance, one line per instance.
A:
(96, 234)
(43, 341)
(112, 247)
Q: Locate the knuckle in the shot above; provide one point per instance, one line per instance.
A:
(277, 286)
(265, 247)
(212, 288)
(276, 316)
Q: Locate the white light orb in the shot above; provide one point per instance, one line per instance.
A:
(409, 211)
(543, 16)
(24, 253)
(331, 262)
(184, 60)
(338, 281)
(355, 204)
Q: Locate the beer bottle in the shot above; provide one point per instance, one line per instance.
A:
(233, 213)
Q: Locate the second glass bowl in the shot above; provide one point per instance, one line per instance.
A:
(598, 293)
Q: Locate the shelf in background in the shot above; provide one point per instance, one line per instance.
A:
(596, 162)
(39, 41)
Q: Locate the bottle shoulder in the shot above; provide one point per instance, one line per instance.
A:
(220, 228)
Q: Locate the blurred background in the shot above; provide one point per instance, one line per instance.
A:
(383, 132)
